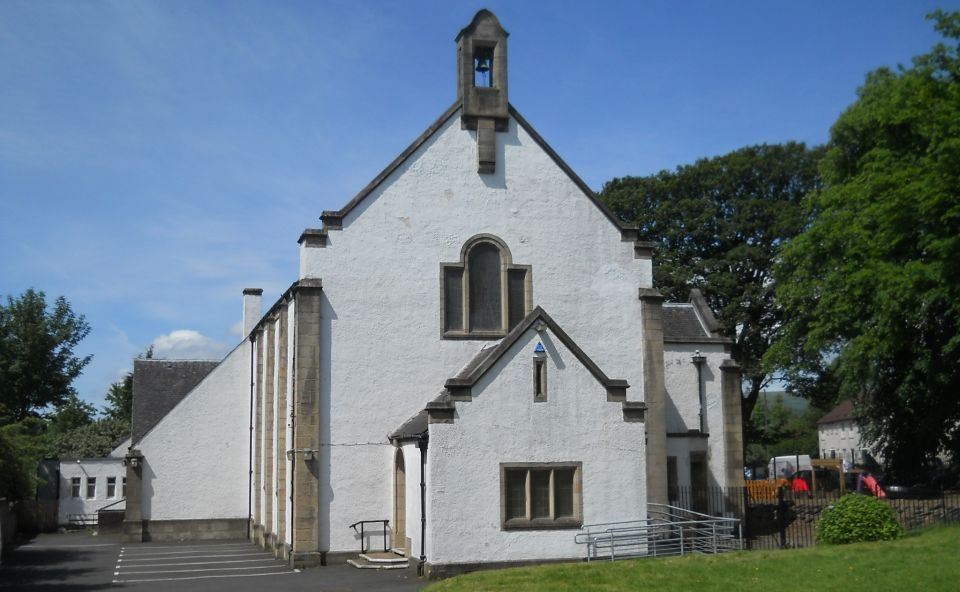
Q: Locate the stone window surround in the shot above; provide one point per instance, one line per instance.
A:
(539, 379)
(506, 265)
(576, 521)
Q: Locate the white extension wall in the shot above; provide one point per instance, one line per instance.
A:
(196, 458)
(503, 424)
(683, 407)
(96, 468)
(382, 357)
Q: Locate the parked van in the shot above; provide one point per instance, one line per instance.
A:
(781, 467)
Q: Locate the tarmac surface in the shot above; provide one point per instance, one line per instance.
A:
(75, 562)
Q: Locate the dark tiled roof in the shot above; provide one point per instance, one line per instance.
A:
(413, 428)
(158, 385)
(680, 321)
(842, 412)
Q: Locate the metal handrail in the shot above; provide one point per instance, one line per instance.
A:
(360, 532)
(119, 501)
(667, 530)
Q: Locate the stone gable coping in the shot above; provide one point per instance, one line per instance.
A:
(474, 371)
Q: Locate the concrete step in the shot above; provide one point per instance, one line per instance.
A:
(379, 560)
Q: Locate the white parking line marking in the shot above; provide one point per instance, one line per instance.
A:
(148, 546)
(128, 566)
(279, 573)
(248, 554)
(239, 548)
(173, 571)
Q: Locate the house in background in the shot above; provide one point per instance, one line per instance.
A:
(838, 433)
(473, 362)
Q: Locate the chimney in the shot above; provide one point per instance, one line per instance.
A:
(251, 309)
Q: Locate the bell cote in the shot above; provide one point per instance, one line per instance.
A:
(482, 82)
(482, 70)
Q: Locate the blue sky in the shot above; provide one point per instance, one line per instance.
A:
(158, 157)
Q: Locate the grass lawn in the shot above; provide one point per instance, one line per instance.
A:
(928, 560)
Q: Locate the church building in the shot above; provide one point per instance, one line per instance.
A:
(472, 364)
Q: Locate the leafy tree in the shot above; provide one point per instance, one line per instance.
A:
(120, 395)
(92, 440)
(73, 414)
(22, 446)
(719, 225)
(120, 399)
(776, 430)
(871, 289)
(37, 361)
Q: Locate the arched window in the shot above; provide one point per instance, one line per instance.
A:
(483, 295)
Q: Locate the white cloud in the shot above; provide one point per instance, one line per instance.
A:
(187, 344)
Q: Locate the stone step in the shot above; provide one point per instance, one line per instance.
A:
(379, 560)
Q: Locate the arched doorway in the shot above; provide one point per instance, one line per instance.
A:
(399, 502)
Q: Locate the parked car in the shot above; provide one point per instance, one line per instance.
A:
(911, 492)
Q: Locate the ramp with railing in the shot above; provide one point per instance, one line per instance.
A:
(667, 530)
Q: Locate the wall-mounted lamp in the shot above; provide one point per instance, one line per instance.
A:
(133, 458)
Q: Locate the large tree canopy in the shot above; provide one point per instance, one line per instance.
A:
(37, 361)
(871, 290)
(718, 225)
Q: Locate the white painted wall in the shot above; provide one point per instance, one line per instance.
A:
(683, 407)
(98, 468)
(196, 457)
(503, 424)
(381, 353)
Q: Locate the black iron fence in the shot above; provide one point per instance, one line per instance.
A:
(778, 518)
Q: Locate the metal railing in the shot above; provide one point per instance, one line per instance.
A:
(363, 548)
(668, 530)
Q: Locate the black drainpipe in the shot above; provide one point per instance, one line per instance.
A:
(698, 361)
(422, 445)
(250, 448)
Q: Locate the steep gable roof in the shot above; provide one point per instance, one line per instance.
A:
(333, 219)
(158, 385)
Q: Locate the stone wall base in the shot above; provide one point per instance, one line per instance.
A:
(195, 530)
(439, 571)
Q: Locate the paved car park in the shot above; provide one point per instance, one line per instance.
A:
(80, 562)
(197, 561)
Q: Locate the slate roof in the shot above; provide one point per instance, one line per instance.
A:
(158, 385)
(680, 321)
(412, 429)
(842, 412)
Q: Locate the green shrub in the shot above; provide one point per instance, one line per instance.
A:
(857, 518)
